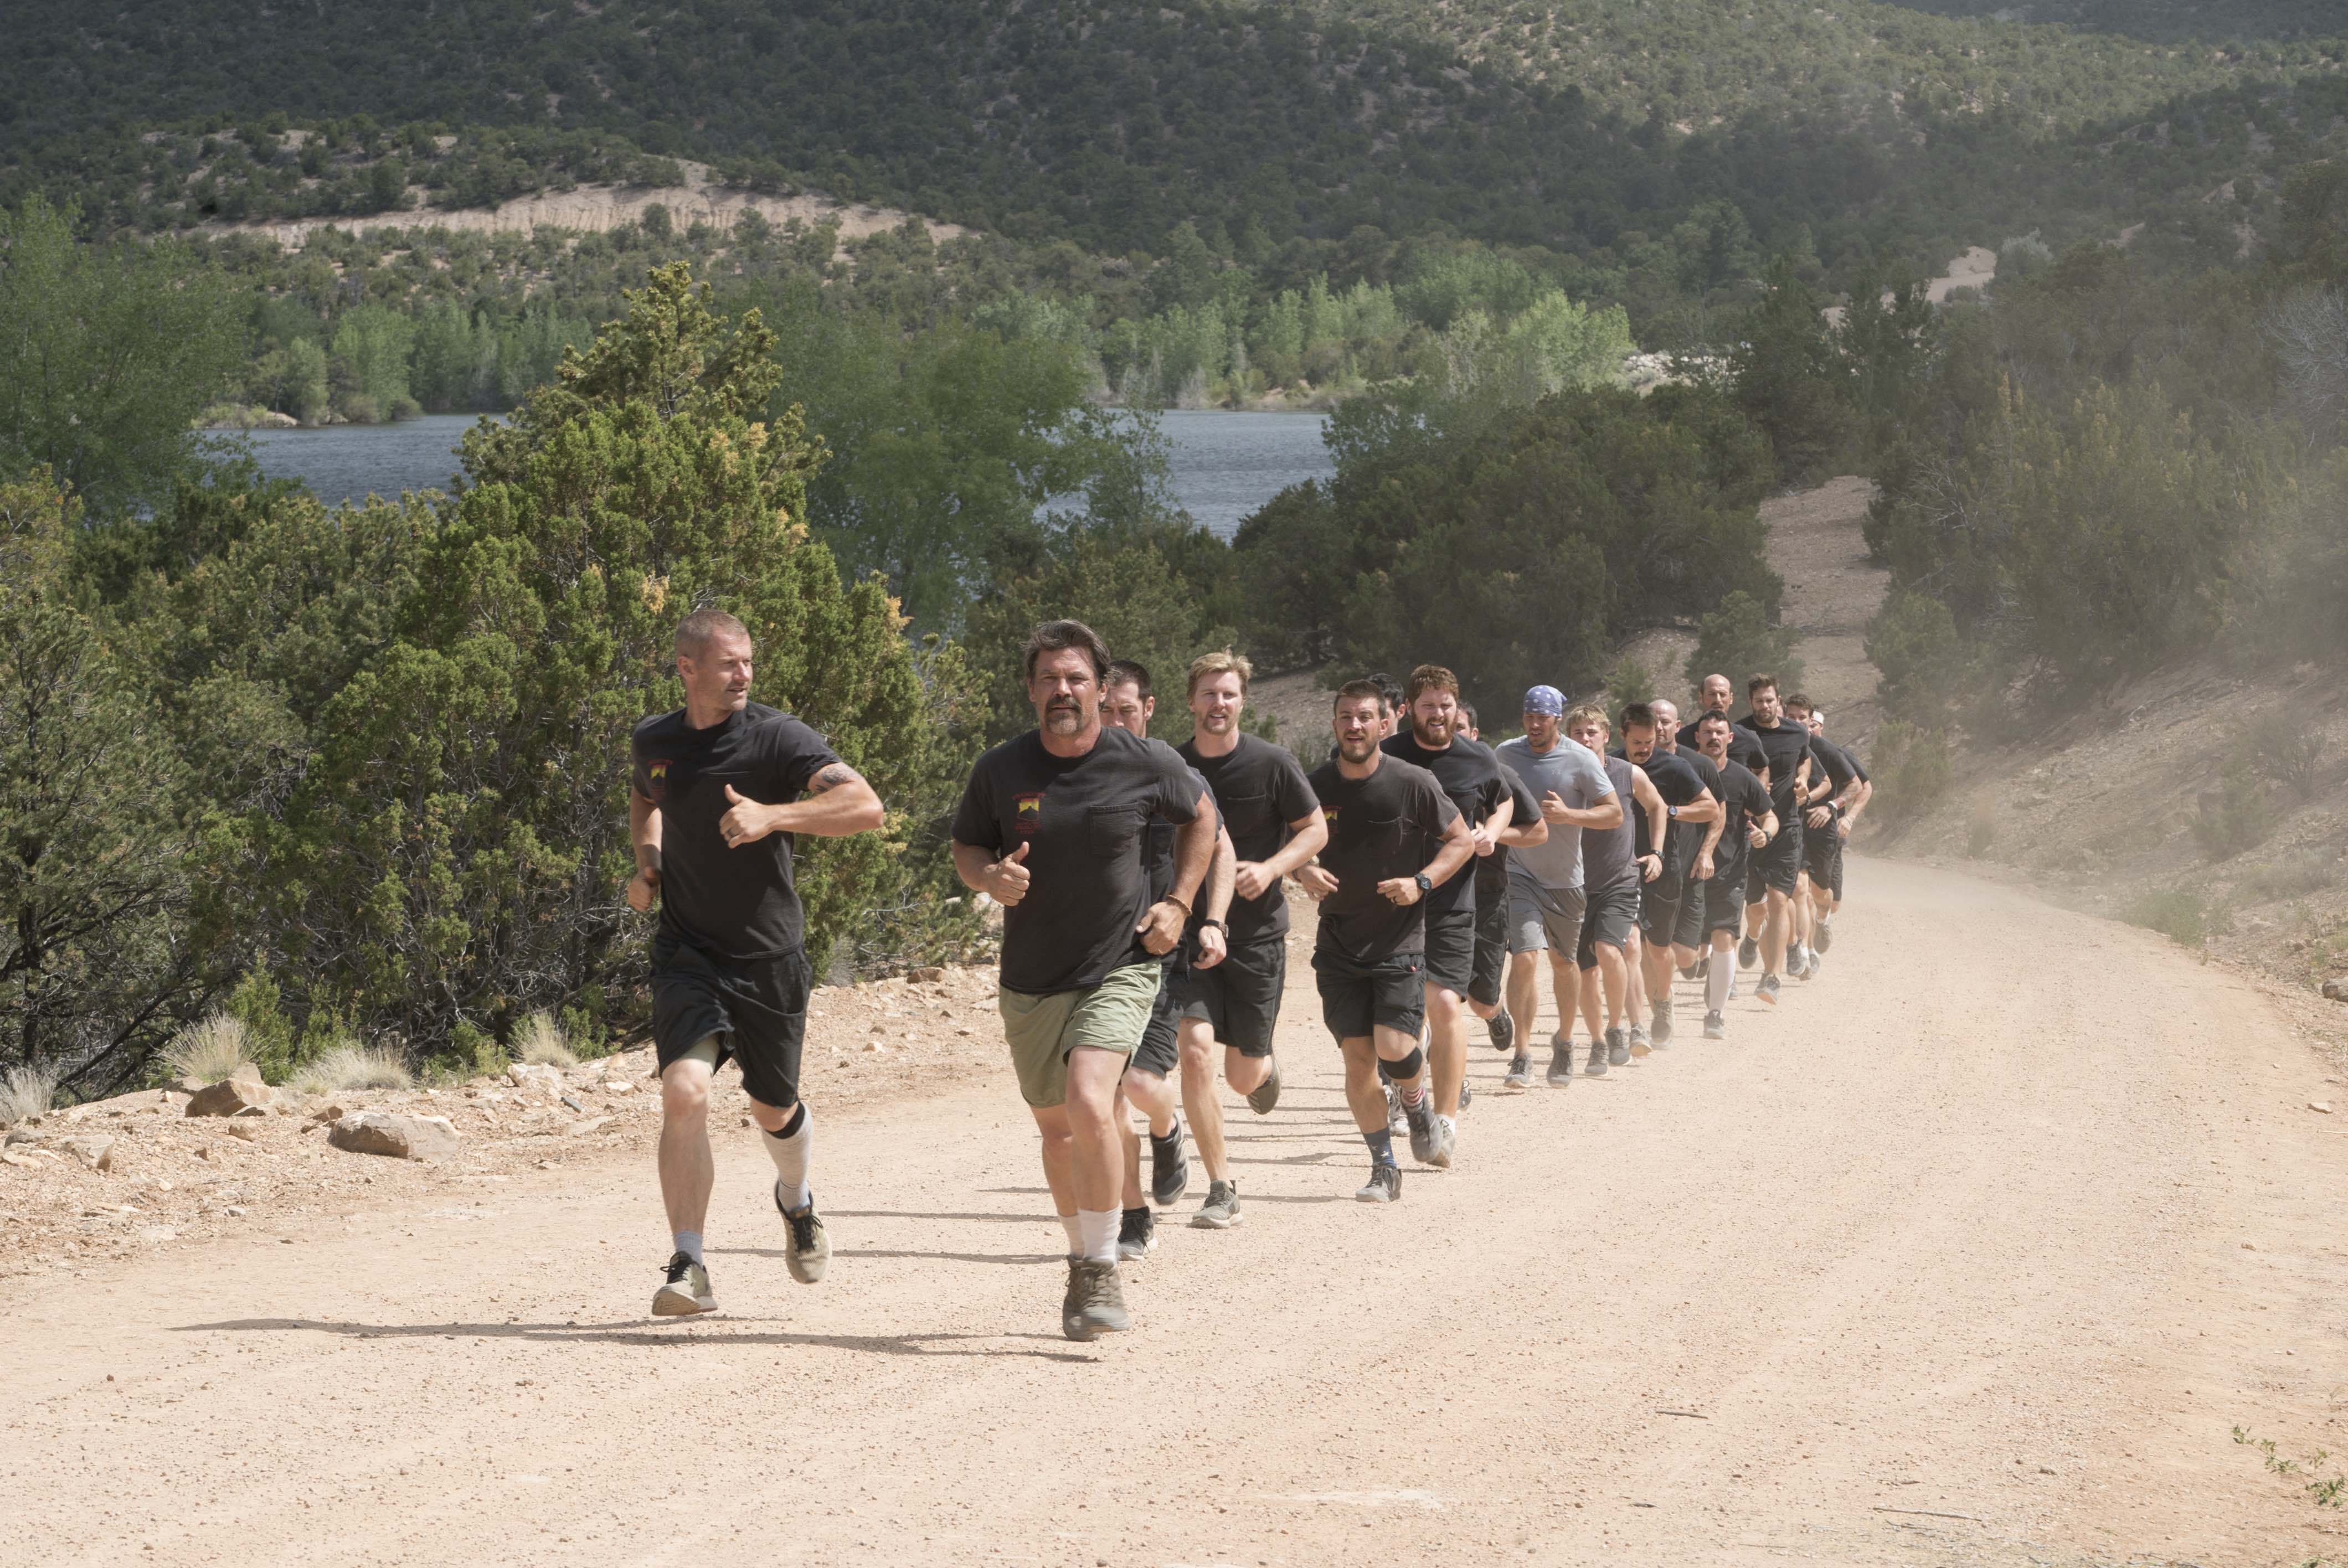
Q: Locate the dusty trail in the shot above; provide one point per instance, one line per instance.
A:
(2010, 1215)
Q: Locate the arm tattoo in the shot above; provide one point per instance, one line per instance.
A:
(833, 775)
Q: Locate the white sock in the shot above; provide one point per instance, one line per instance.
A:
(1096, 1234)
(790, 1154)
(1073, 1224)
(687, 1243)
(1717, 980)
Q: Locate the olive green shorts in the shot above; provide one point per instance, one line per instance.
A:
(1043, 1029)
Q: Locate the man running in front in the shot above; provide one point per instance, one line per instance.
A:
(1274, 825)
(1051, 826)
(721, 788)
(1393, 838)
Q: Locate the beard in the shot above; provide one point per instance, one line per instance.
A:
(1357, 751)
(1063, 719)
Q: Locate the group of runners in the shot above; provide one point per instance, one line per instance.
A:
(1144, 933)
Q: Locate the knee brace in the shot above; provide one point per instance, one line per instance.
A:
(1402, 1070)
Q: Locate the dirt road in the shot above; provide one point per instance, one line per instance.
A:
(1975, 1250)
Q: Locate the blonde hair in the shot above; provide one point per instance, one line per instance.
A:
(1590, 713)
(1221, 661)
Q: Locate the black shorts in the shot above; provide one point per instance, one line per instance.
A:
(756, 1012)
(1835, 886)
(1822, 854)
(1161, 1049)
(1451, 949)
(1391, 992)
(1776, 864)
(1241, 996)
(1694, 904)
(1491, 946)
(1723, 905)
(1659, 909)
(1608, 913)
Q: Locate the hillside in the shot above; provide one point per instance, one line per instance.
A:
(2165, 21)
(1567, 127)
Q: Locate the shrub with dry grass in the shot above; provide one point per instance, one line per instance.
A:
(211, 1050)
(353, 1066)
(540, 1042)
(26, 1094)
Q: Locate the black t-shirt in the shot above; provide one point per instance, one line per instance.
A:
(1158, 849)
(1689, 839)
(1782, 747)
(1743, 747)
(1492, 870)
(1260, 788)
(1676, 780)
(735, 904)
(1834, 761)
(1085, 821)
(1742, 802)
(1470, 774)
(1390, 823)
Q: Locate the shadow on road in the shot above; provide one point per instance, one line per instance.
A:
(637, 1332)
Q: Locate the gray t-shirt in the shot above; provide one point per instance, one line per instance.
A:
(1609, 856)
(1573, 774)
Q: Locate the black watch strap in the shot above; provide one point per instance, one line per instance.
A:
(1425, 886)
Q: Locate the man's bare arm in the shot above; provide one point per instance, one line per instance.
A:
(836, 803)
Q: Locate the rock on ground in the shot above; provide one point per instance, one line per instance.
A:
(397, 1136)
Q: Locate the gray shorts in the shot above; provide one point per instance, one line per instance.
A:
(1540, 917)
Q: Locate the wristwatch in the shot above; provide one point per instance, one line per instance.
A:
(1217, 925)
(1425, 886)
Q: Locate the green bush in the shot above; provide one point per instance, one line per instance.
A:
(2181, 914)
(1913, 770)
(1912, 643)
(2286, 748)
(2241, 815)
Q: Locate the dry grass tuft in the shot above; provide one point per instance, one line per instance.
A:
(349, 1066)
(540, 1042)
(211, 1050)
(26, 1094)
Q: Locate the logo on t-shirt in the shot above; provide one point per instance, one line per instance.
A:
(656, 775)
(1027, 814)
(1329, 815)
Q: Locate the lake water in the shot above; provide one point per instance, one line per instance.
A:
(1224, 466)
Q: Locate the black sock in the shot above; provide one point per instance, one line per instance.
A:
(1381, 1144)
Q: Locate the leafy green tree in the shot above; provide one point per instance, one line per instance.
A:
(1791, 380)
(453, 858)
(1740, 639)
(107, 352)
(98, 959)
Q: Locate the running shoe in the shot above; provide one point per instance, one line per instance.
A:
(1641, 1044)
(810, 1244)
(1618, 1045)
(1466, 1094)
(1596, 1066)
(1502, 1028)
(1095, 1304)
(1265, 1095)
(1766, 990)
(1661, 1032)
(1385, 1186)
(1715, 1027)
(1748, 953)
(1796, 968)
(1420, 1119)
(685, 1289)
(1170, 1169)
(1561, 1059)
(1221, 1212)
(1687, 971)
(1136, 1234)
(1703, 967)
(1446, 1139)
(1396, 1123)
(1815, 965)
(1520, 1073)
(1826, 933)
(1733, 992)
